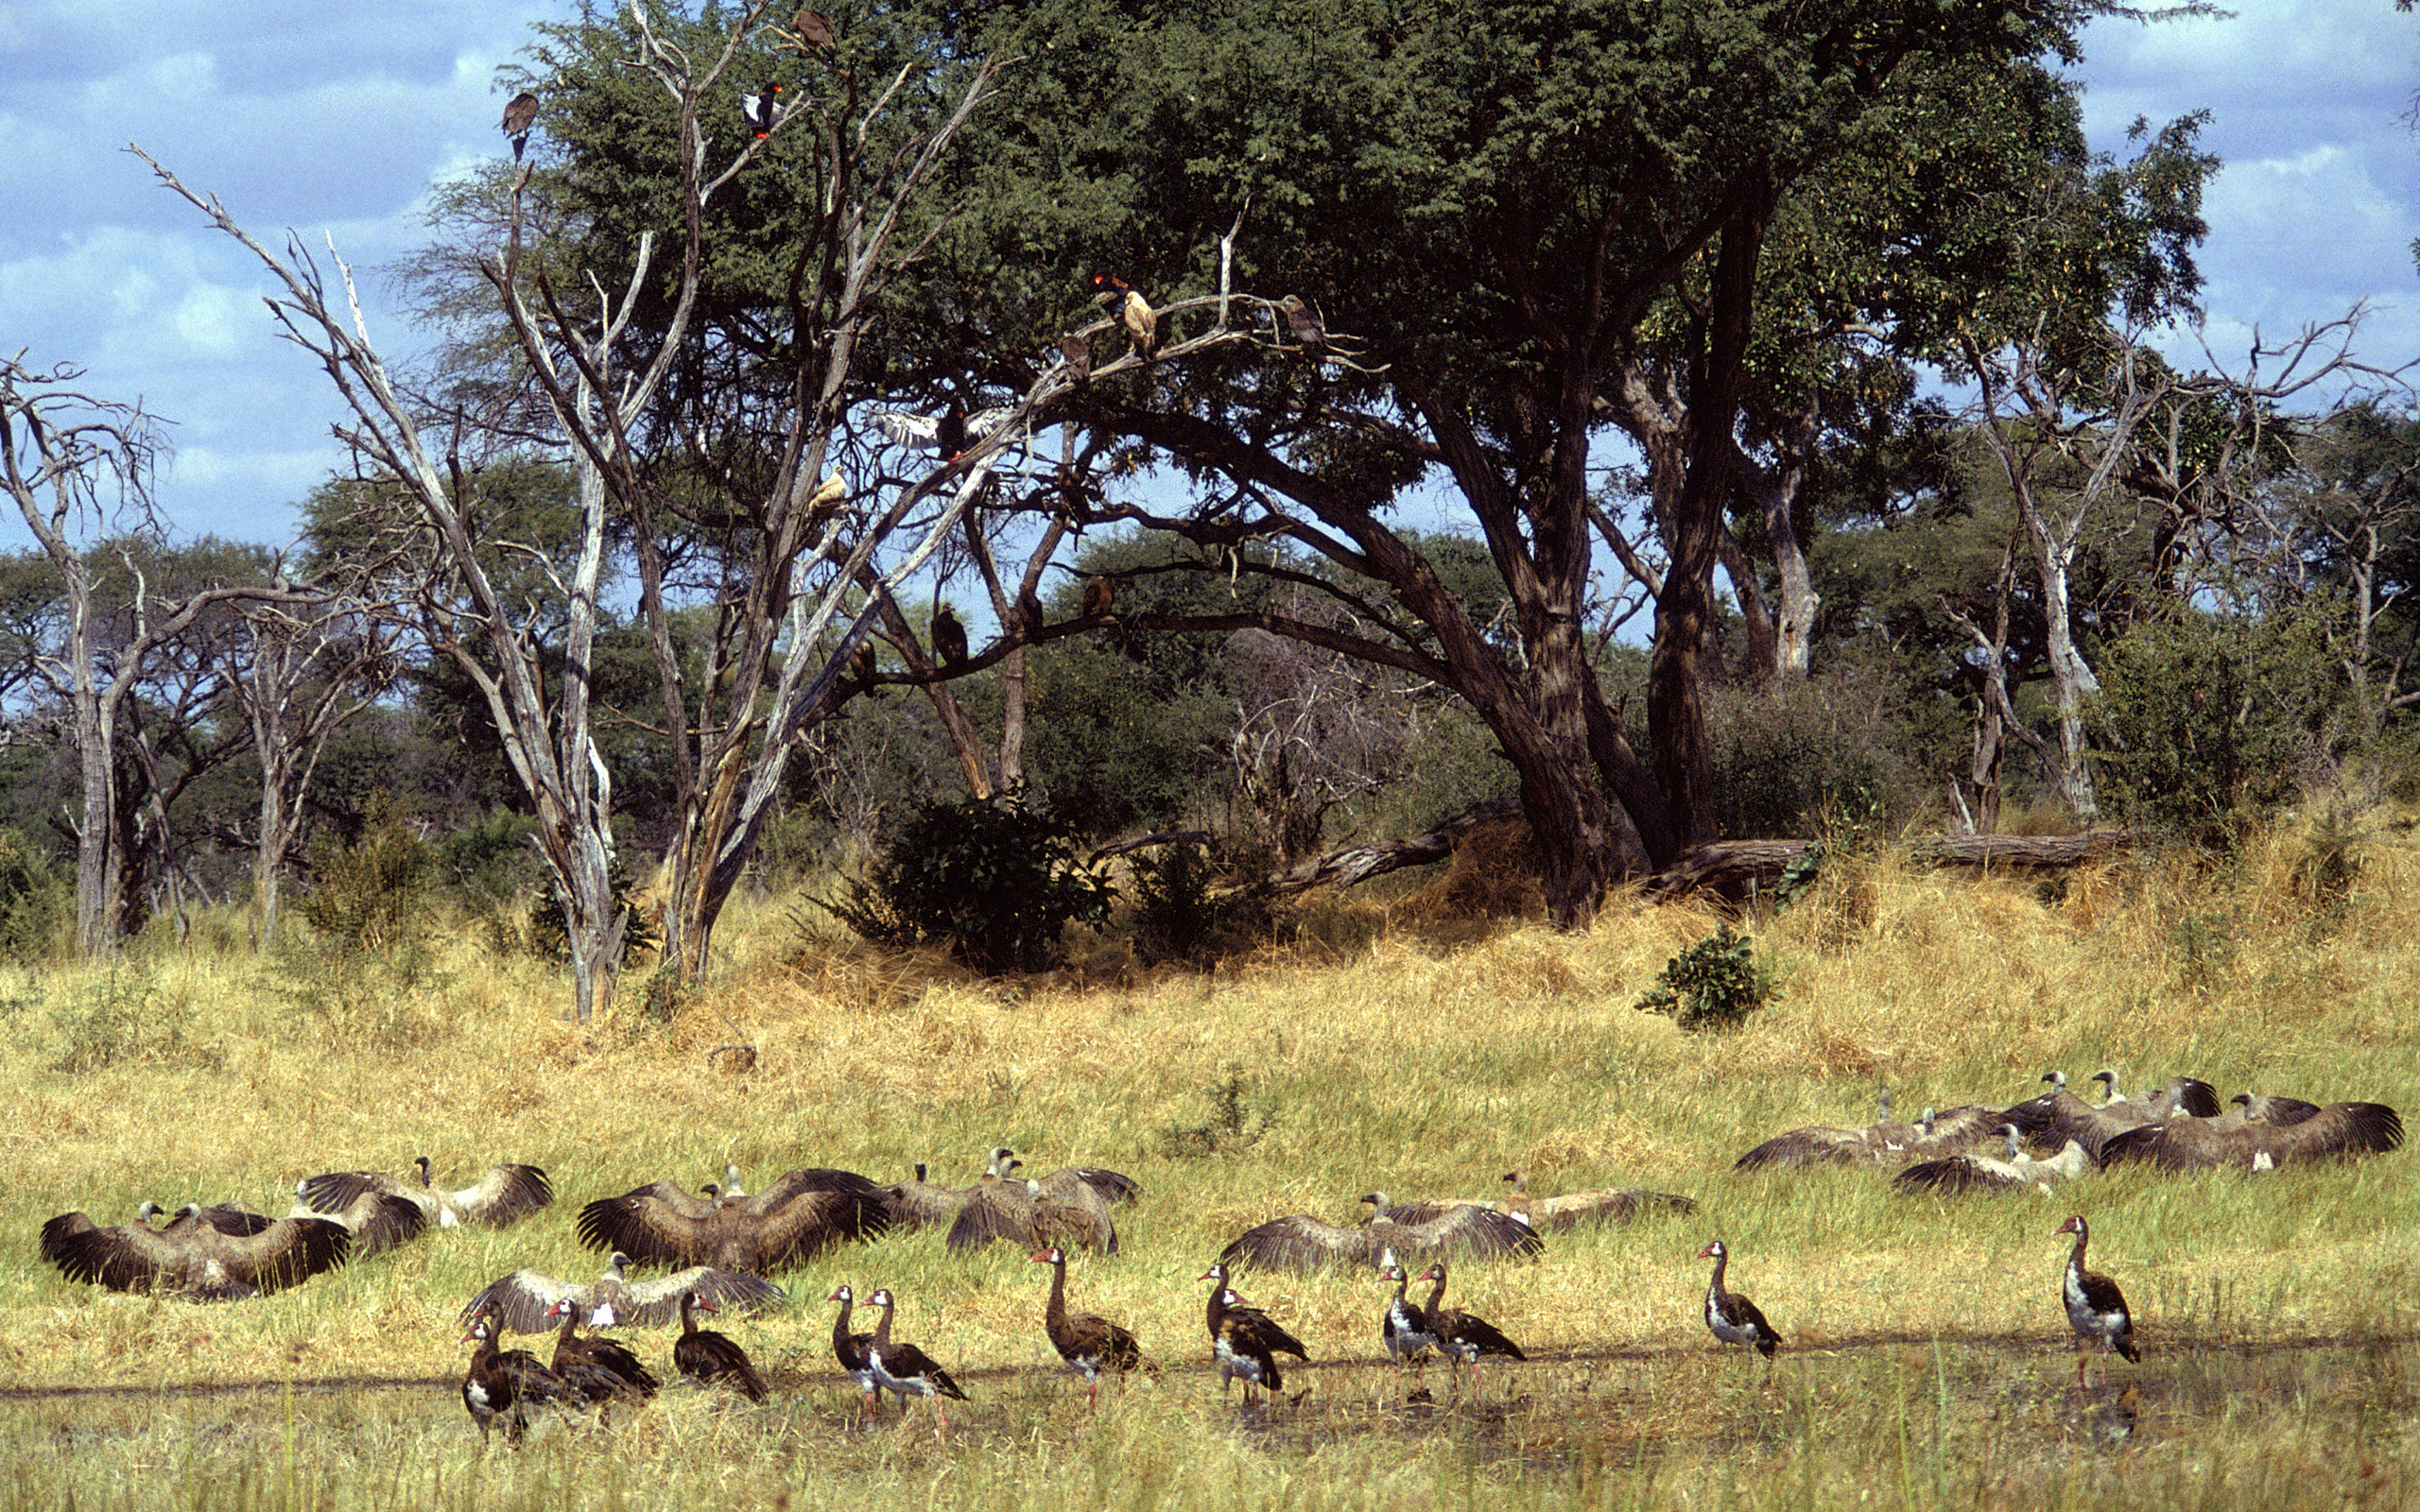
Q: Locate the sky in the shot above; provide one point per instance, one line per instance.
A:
(334, 119)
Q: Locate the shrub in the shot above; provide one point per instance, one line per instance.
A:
(1713, 984)
(994, 881)
(1178, 915)
(37, 901)
(374, 894)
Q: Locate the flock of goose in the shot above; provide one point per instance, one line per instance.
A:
(720, 1242)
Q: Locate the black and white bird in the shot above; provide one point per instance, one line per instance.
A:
(950, 433)
(1086, 1341)
(1245, 1340)
(763, 111)
(1461, 1336)
(2096, 1308)
(850, 1350)
(905, 1370)
(1732, 1318)
(503, 1384)
(1404, 1326)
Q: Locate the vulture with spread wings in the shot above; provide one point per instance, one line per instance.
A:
(504, 1194)
(801, 1215)
(1302, 1243)
(205, 1255)
(523, 1299)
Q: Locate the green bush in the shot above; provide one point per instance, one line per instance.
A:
(996, 881)
(2209, 720)
(37, 901)
(1180, 917)
(1713, 984)
(373, 895)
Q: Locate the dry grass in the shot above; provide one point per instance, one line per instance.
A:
(1403, 1045)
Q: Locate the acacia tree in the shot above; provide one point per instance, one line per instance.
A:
(71, 462)
(1506, 204)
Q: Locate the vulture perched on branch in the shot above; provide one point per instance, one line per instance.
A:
(1302, 1243)
(204, 1255)
(523, 1301)
(503, 1195)
(801, 1215)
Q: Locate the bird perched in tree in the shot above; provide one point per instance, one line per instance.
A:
(1099, 595)
(1303, 322)
(520, 113)
(949, 637)
(1133, 312)
(2096, 1308)
(813, 28)
(763, 111)
(1078, 353)
(862, 663)
(949, 433)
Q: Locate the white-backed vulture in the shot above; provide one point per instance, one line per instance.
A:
(194, 1257)
(1302, 1243)
(920, 1204)
(802, 1214)
(521, 1300)
(1959, 1174)
(2340, 1130)
(506, 1194)
(998, 1206)
(1547, 1214)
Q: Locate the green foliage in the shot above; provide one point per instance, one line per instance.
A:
(549, 935)
(1232, 1126)
(374, 894)
(1817, 756)
(1179, 916)
(2212, 719)
(2205, 948)
(2326, 867)
(996, 881)
(1713, 984)
(37, 901)
(123, 1015)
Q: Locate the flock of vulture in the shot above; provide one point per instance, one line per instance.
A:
(720, 1244)
(2059, 1136)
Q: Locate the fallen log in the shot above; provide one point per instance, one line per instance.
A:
(1359, 863)
(1730, 865)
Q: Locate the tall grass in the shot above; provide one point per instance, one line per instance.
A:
(1387, 1045)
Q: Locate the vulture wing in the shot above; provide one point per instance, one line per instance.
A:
(1113, 1186)
(2340, 1129)
(807, 1212)
(656, 1303)
(378, 1220)
(506, 1194)
(521, 1300)
(1464, 1230)
(335, 1191)
(1597, 1208)
(286, 1253)
(661, 1224)
(921, 1204)
(997, 1210)
(1810, 1146)
(124, 1258)
(2279, 1110)
(1300, 1242)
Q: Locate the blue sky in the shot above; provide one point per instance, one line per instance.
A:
(333, 118)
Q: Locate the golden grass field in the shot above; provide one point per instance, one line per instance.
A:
(1387, 1045)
